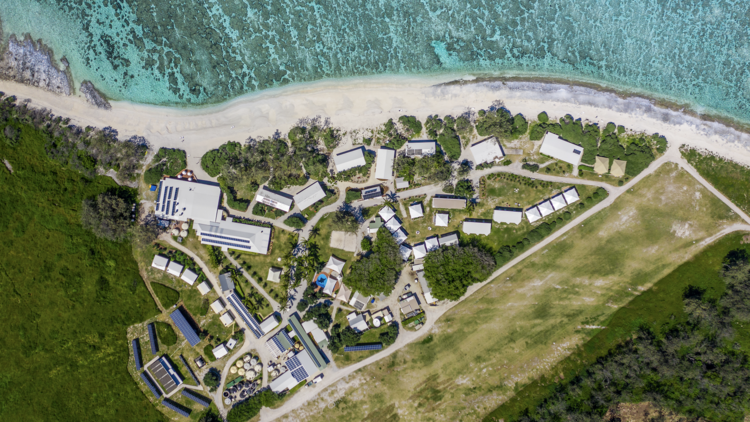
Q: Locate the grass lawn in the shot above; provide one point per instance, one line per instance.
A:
(168, 297)
(68, 299)
(730, 178)
(519, 326)
(165, 333)
(323, 240)
(258, 265)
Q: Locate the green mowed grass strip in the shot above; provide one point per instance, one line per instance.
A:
(659, 307)
(167, 296)
(519, 326)
(732, 179)
(68, 298)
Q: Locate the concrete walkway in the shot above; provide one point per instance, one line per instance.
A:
(275, 305)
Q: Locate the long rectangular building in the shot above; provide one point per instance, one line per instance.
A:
(231, 235)
(242, 311)
(275, 199)
(152, 339)
(137, 354)
(181, 200)
(184, 326)
(307, 342)
(384, 166)
(309, 195)
(557, 147)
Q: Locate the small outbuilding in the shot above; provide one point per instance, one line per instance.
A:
(384, 166)
(571, 195)
(358, 323)
(274, 274)
(226, 283)
(420, 148)
(533, 214)
(375, 224)
(441, 219)
(558, 202)
(508, 215)
(618, 168)
(601, 165)
(401, 183)
(175, 268)
(371, 192)
(426, 291)
(416, 210)
(189, 276)
(477, 226)
(279, 200)
(269, 324)
(204, 288)
(220, 351)
(227, 318)
(218, 305)
(448, 239)
(160, 262)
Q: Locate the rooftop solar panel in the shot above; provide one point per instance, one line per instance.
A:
(190, 370)
(182, 324)
(150, 384)
(176, 407)
(192, 395)
(152, 339)
(300, 374)
(245, 315)
(293, 363)
(363, 347)
(137, 353)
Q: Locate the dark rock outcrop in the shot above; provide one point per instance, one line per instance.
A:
(31, 63)
(93, 96)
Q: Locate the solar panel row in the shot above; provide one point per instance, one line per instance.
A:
(150, 384)
(190, 370)
(363, 347)
(182, 324)
(245, 314)
(176, 407)
(203, 401)
(137, 353)
(293, 363)
(300, 374)
(152, 339)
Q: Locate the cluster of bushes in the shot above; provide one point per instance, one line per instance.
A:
(501, 124)
(341, 337)
(532, 167)
(376, 273)
(264, 210)
(168, 162)
(431, 169)
(345, 221)
(295, 221)
(168, 297)
(233, 201)
(450, 271)
(444, 131)
(250, 408)
(397, 135)
(321, 314)
(362, 171)
(390, 334)
(464, 188)
(108, 216)
(330, 137)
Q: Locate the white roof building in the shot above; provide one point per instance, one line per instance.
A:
(231, 235)
(442, 219)
(179, 199)
(420, 250)
(175, 268)
(556, 147)
(401, 183)
(421, 148)
(335, 264)
(274, 274)
(189, 276)
(384, 166)
(558, 202)
(227, 318)
(315, 332)
(358, 301)
(432, 243)
(343, 294)
(545, 207)
(204, 288)
(269, 324)
(275, 199)
(218, 305)
(350, 159)
(487, 151)
(386, 213)
(330, 287)
(393, 224)
(416, 210)
(473, 226)
(571, 195)
(357, 322)
(231, 343)
(160, 262)
(309, 195)
(405, 251)
(508, 215)
(448, 240)
(400, 236)
(301, 366)
(220, 351)
(533, 214)
(426, 291)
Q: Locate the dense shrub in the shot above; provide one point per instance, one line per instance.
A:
(450, 143)
(450, 271)
(321, 314)
(464, 188)
(232, 201)
(250, 408)
(432, 169)
(212, 379)
(365, 244)
(165, 333)
(168, 162)
(412, 125)
(501, 124)
(295, 222)
(345, 221)
(208, 351)
(532, 167)
(390, 335)
(542, 117)
(377, 273)
(168, 297)
(302, 305)
(108, 217)
(342, 337)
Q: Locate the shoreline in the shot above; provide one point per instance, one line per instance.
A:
(358, 104)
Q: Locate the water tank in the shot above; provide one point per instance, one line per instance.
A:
(247, 366)
(184, 233)
(185, 226)
(239, 363)
(258, 367)
(233, 370)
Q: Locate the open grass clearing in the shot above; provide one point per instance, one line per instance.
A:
(730, 178)
(282, 243)
(521, 324)
(323, 240)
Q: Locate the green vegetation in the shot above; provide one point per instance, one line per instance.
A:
(69, 296)
(165, 333)
(376, 273)
(341, 337)
(430, 169)
(168, 297)
(365, 244)
(353, 195)
(390, 334)
(501, 124)
(464, 188)
(168, 162)
(282, 244)
(321, 314)
(230, 193)
(357, 173)
(212, 379)
(295, 221)
(730, 178)
(303, 136)
(250, 408)
(532, 167)
(345, 221)
(313, 209)
(264, 210)
(688, 327)
(450, 271)
(411, 124)
(108, 217)
(208, 351)
(444, 131)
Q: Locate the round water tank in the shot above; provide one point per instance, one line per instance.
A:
(175, 232)
(184, 233)
(258, 367)
(227, 401)
(233, 370)
(376, 322)
(253, 361)
(247, 366)
(247, 358)
(185, 226)
(250, 374)
(239, 363)
(241, 371)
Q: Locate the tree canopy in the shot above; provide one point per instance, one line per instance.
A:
(376, 273)
(168, 162)
(451, 270)
(108, 216)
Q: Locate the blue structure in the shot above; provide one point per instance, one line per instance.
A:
(176, 407)
(184, 326)
(152, 339)
(376, 346)
(192, 395)
(150, 384)
(190, 370)
(251, 322)
(322, 280)
(137, 353)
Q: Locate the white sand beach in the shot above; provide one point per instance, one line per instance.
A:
(359, 103)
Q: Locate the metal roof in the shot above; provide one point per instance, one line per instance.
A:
(185, 328)
(309, 195)
(192, 395)
(317, 358)
(250, 320)
(350, 159)
(181, 200)
(508, 215)
(448, 202)
(476, 226)
(152, 339)
(487, 151)
(533, 214)
(384, 167)
(136, 344)
(556, 147)
(245, 237)
(273, 198)
(571, 195)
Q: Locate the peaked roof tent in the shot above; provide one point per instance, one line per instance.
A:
(618, 168)
(571, 195)
(432, 243)
(335, 264)
(384, 167)
(533, 214)
(175, 268)
(400, 236)
(189, 276)
(350, 159)
(182, 200)
(225, 280)
(558, 202)
(487, 151)
(556, 147)
(185, 328)
(310, 195)
(393, 224)
(275, 199)
(274, 274)
(386, 213)
(405, 251)
(545, 207)
(420, 250)
(601, 165)
(508, 215)
(442, 219)
(416, 210)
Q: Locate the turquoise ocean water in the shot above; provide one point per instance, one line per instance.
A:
(193, 52)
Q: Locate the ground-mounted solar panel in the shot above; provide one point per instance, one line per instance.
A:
(192, 395)
(190, 370)
(152, 339)
(245, 315)
(176, 407)
(150, 384)
(360, 348)
(137, 353)
(182, 324)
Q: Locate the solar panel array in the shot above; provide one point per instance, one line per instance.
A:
(245, 315)
(363, 347)
(203, 401)
(152, 339)
(179, 320)
(150, 384)
(137, 353)
(300, 374)
(176, 407)
(190, 370)
(293, 363)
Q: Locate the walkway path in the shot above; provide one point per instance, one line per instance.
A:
(275, 305)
